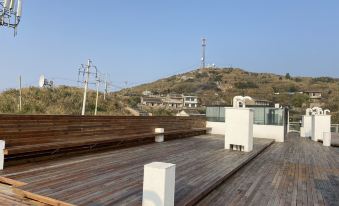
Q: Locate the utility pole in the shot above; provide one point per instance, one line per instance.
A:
(106, 87)
(97, 96)
(86, 71)
(203, 45)
(20, 94)
(88, 66)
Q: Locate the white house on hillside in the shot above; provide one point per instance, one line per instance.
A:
(190, 101)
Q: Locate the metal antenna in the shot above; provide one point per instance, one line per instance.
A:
(203, 45)
(10, 13)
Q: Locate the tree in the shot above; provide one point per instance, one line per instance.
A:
(288, 76)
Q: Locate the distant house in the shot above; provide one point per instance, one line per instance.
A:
(151, 101)
(314, 94)
(173, 103)
(259, 102)
(190, 101)
(147, 93)
(189, 112)
(170, 101)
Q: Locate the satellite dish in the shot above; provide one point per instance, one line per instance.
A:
(42, 81)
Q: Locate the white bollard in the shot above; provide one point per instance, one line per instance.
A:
(2, 154)
(159, 137)
(159, 184)
(327, 139)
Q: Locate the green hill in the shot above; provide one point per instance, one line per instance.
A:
(220, 85)
(212, 86)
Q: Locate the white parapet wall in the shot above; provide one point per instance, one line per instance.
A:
(159, 184)
(216, 127)
(307, 126)
(239, 129)
(2, 154)
(275, 132)
(320, 124)
(327, 139)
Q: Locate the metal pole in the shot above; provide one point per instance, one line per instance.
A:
(20, 96)
(105, 87)
(86, 86)
(97, 97)
(203, 44)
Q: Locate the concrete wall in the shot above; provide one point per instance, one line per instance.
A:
(217, 127)
(307, 126)
(269, 131)
(320, 124)
(259, 131)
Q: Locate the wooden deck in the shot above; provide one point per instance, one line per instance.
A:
(115, 177)
(8, 198)
(297, 172)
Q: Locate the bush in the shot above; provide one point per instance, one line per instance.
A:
(246, 85)
(288, 76)
(298, 79)
(201, 75)
(59, 100)
(299, 99)
(323, 79)
(293, 89)
(216, 78)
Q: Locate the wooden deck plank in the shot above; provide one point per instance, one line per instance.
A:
(297, 172)
(115, 177)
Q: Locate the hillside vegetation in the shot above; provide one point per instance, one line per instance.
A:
(212, 86)
(59, 100)
(219, 86)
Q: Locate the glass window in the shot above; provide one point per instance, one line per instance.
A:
(215, 114)
(259, 115)
(268, 116)
(262, 115)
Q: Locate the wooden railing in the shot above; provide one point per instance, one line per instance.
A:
(32, 133)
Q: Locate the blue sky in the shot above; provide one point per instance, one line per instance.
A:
(141, 41)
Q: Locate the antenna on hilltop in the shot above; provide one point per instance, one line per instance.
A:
(203, 46)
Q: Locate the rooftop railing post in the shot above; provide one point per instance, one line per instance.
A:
(2, 154)
(159, 184)
(159, 134)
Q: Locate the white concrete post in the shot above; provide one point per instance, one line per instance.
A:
(307, 126)
(159, 137)
(239, 129)
(2, 154)
(320, 124)
(327, 139)
(159, 184)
